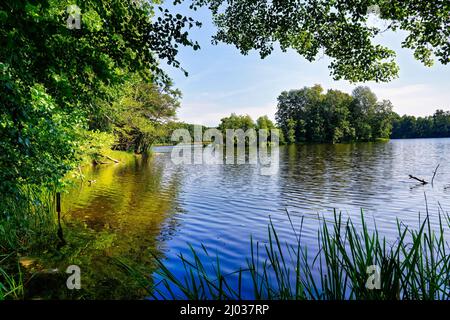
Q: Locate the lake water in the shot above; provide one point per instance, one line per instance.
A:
(154, 206)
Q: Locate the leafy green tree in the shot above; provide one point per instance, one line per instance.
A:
(235, 122)
(290, 134)
(435, 126)
(382, 120)
(405, 127)
(54, 80)
(337, 115)
(441, 123)
(309, 115)
(304, 107)
(338, 29)
(423, 128)
(264, 122)
(287, 111)
(363, 108)
(142, 113)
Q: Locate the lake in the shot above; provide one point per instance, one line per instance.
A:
(152, 206)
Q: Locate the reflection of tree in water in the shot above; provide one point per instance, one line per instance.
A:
(328, 175)
(125, 214)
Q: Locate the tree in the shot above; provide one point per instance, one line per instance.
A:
(287, 110)
(309, 115)
(441, 123)
(54, 80)
(337, 114)
(405, 127)
(338, 29)
(141, 114)
(304, 107)
(435, 126)
(290, 134)
(265, 123)
(382, 119)
(235, 122)
(362, 109)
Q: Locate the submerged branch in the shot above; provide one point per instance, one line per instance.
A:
(420, 180)
(96, 161)
(112, 159)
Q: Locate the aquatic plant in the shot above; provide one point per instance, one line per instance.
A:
(27, 219)
(415, 267)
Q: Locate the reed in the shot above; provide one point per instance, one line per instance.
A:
(27, 225)
(415, 267)
(27, 218)
(11, 287)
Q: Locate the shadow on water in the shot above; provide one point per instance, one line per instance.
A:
(118, 212)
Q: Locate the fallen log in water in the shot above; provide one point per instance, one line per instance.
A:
(99, 155)
(112, 159)
(420, 180)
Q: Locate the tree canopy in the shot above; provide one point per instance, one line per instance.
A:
(338, 29)
(139, 115)
(56, 80)
(310, 115)
(265, 123)
(235, 122)
(435, 126)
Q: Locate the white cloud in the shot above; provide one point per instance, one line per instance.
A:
(209, 114)
(418, 99)
(415, 99)
(412, 99)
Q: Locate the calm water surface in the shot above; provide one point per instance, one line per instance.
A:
(156, 206)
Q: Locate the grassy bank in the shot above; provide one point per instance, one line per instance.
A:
(415, 267)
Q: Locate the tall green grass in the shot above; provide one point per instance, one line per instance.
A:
(415, 267)
(27, 218)
(11, 286)
(27, 225)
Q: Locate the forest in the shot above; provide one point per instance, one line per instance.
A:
(312, 115)
(434, 126)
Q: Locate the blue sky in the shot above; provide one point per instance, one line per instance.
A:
(222, 81)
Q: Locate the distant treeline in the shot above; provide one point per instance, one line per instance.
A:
(171, 126)
(312, 115)
(435, 126)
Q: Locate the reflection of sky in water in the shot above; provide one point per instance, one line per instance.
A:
(166, 206)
